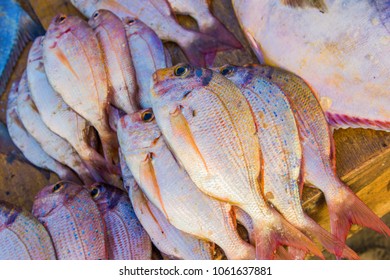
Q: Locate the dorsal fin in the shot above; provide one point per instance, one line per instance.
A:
(319, 4)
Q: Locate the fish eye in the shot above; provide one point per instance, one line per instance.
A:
(61, 19)
(129, 21)
(147, 116)
(95, 15)
(181, 70)
(226, 70)
(58, 187)
(95, 192)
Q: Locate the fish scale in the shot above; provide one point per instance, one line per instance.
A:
(73, 221)
(22, 237)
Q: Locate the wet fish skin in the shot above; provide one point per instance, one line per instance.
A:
(282, 153)
(171, 190)
(75, 68)
(158, 16)
(73, 221)
(319, 163)
(341, 53)
(126, 238)
(57, 115)
(55, 146)
(16, 29)
(210, 127)
(148, 55)
(26, 143)
(22, 237)
(111, 34)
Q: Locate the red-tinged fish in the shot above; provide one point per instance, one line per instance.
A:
(319, 164)
(207, 22)
(58, 116)
(27, 144)
(170, 189)
(55, 146)
(341, 48)
(172, 242)
(157, 15)
(281, 150)
(73, 221)
(111, 34)
(22, 237)
(126, 238)
(148, 55)
(74, 66)
(210, 127)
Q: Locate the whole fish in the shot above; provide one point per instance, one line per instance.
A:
(339, 47)
(281, 149)
(207, 22)
(27, 144)
(75, 68)
(319, 164)
(55, 146)
(126, 238)
(210, 127)
(157, 15)
(73, 221)
(22, 237)
(111, 34)
(148, 55)
(58, 116)
(168, 239)
(16, 29)
(171, 190)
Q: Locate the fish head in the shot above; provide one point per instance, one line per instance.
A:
(105, 196)
(134, 26)
(8, 213)
(53, 197)
(60, 26)
(35, 52)
(87, 7)
(240, 76)
(142, 132)
(102, 17)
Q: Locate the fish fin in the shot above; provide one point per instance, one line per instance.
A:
(296, 254)
(182, 130)
(351, 210)
(280, 232)
(283, 254)
(149, 183)
(255, 47)
(344, 121)
(209, 58)
(319, 4)
(223, 35)
(330, 242)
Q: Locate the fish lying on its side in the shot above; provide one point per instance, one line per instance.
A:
(210, 127)
(170, 189)
(73, 221)
(319, 164)
(111, 34)
(16, 29)
(158, 16)
(22, 237)
(169, 240)
(126, 238)
(281, 149)
(341, 52)
(27, 144)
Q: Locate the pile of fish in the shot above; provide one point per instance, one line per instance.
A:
(174, 156)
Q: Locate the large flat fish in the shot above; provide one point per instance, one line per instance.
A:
(340, 48)
(126, 238)
(282, 153)
(73, 221)
(171, 190)
(319, 164)
(22, 237)
(172, 242)
(157, 15)
(111, 34)
(74, 66)
(27, 144)
(16, 29)
(210, 127)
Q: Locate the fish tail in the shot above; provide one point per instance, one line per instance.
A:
(222, 34)
(330, 242)
(351, 210)
(269, 237)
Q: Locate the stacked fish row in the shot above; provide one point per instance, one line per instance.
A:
(210, 147)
